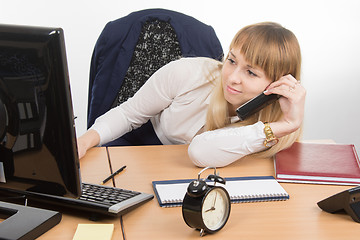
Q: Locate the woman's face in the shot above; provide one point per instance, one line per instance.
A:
(241, 81)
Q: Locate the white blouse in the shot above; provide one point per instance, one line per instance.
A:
(175, 99)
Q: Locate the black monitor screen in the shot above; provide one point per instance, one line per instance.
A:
(38, 150)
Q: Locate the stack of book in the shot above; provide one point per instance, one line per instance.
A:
(318, 163)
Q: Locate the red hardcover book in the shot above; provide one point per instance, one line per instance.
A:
(318, 163)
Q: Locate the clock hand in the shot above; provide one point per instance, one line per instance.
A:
(213, 206)
(210, 209)
(214, 201)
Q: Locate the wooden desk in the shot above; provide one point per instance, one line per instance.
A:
(297, 218)
(94, 168)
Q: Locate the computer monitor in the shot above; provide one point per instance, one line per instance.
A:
(38, 151)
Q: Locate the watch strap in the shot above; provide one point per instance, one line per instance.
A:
(270, 138)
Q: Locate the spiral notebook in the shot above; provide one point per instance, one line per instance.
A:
(170, 193)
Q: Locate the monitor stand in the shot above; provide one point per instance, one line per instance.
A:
(25, 222)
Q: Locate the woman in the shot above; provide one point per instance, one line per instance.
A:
(193, 100)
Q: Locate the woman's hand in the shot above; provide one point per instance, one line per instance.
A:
(292, 103)
(90, 139)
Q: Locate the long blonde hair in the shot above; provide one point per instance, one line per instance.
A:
(276, 51)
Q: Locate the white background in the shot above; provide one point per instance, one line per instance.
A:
(328, 32)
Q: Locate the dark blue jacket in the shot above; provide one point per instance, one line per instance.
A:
(114, 49)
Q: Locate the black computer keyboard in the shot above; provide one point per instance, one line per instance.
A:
(97, 199)
(115, 200)
(105, 195)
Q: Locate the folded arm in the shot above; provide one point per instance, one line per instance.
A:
(221, 147)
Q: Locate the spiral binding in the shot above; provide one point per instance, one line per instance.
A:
(259, 198)
(172, 203)
(237, 199)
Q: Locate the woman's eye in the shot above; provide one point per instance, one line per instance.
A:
(231, 61)
(251, 73)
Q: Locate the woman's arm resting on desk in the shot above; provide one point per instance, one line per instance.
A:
(153, 97)
(90, 139)
(224, 146)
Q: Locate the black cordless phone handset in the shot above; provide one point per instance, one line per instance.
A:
(254, 105)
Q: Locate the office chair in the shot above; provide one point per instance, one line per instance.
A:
(130, 49)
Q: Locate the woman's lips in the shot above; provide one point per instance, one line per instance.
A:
(232, 90)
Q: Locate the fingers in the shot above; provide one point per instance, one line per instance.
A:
(287, 86)
(287, 82)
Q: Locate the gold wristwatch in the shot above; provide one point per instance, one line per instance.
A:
(271, 139)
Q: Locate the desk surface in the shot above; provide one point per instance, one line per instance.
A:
(297, 218)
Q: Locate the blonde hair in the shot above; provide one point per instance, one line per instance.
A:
(276, 51)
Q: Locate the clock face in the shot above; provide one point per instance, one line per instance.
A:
(216, 209)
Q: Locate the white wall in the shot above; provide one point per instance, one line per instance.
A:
(328, 32)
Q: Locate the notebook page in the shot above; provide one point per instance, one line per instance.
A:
(259, 187)
(172, 192)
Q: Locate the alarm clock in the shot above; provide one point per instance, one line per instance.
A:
(206, 207)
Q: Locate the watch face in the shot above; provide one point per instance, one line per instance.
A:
(216, 209)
